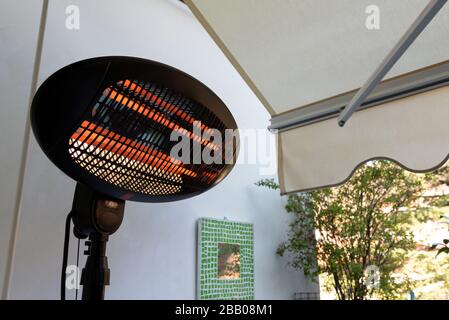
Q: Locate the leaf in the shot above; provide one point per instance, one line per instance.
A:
(446, 241)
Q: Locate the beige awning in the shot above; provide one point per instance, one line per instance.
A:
(304, 59)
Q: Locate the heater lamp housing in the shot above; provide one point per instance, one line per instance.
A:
(106, 123)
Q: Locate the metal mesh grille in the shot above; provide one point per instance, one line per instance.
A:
(125, 139)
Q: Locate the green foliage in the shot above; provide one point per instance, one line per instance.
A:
(441, 176)
(429, 273)
(358, 224)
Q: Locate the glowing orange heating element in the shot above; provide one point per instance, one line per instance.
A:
(157, 116)
(147, 95)
(94, 135)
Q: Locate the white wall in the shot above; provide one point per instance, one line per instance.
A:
(19, 25)
(153, 255)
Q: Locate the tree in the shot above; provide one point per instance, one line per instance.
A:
(441, 177)
(358, 224)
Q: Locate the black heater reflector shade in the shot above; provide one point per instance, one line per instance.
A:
(107, 122)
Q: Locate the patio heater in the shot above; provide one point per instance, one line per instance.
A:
(111, 123)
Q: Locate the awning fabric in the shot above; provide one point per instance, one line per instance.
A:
(323, 154)
(294, 54)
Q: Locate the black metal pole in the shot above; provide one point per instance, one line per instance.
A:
(96, 273)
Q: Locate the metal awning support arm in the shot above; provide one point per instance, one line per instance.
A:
(390, 60)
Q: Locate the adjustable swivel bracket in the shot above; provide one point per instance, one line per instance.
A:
(95, 216)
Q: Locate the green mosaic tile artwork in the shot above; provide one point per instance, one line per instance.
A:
(212, 233)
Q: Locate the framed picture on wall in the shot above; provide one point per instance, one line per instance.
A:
(225, 260)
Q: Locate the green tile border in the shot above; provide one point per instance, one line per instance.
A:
(210, 233)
